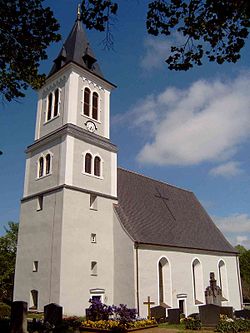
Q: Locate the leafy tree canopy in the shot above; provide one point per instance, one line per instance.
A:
(26, 30)
(8, 245)
(244, 259)
(215, 29)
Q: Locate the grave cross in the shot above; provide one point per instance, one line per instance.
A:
(148, 303)
(164, 199)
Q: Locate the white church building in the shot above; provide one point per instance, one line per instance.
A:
(91, 230)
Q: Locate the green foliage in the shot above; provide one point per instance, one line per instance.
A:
(27, 29)
(244, 260)
(4, 310)
(229, 325)
(191, 323)
(8, 245)
(216, 29)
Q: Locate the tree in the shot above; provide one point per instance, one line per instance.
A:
(26, 30)
(244, 259)
(215, 29)
(8, 246)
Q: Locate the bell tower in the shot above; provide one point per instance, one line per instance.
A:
(65, 242)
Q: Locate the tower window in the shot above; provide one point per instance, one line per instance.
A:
(94, 268)
(33, 299)
(93, 202)
(53, 104)
(48, 163)
(95, 106)
(86, 105)
(93, 238)
(97, 166)
(49, 112)
(44, 165)
(88, 162)
(39, 203)
(56, 102)
(35, 266)
(40, 167)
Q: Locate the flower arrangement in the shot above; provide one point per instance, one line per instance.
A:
(226, 325)
(191, 323)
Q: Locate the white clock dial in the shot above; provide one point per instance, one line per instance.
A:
(91, 127)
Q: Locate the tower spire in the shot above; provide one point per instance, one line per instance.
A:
(79, 12)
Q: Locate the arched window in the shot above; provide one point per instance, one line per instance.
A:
(33, 299)
(197, 282)
(48, 164)
(97, 166)
(40, 167)
(223, 279)
(49, 112)
(86, 105)
(164, 282)
(56, 102)
(88, 162)
(95, 106)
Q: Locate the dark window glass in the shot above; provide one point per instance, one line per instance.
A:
(86, 101)
(40, 171)
(97, 166)
(88, 160)
(34, 299)
(95, 106)
(48, 163)
(49, 106)
(56, 104)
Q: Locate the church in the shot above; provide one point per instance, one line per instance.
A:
(89, 229)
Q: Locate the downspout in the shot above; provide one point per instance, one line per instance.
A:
(137, 277)
(239, 280)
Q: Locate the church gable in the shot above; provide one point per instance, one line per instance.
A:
(156, 213)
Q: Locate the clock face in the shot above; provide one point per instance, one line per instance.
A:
(91, 127)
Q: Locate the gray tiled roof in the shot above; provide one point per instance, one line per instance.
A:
(179, 220)
(74, 50)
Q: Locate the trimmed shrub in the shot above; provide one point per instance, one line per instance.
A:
(192, 323)
(5, 310)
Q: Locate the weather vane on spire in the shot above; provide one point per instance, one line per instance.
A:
(79, 11)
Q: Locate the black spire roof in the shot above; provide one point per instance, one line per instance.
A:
(76, 49)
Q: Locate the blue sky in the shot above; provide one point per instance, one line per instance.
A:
(189, 129)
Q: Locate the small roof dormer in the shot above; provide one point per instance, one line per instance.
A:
(77, 49)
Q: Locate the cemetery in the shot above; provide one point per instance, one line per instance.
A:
(99, 317)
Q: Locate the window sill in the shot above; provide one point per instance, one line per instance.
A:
(42, 177)
(91, 175)
(49, 121)
(90, 118)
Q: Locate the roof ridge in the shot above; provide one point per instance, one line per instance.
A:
(156, 180)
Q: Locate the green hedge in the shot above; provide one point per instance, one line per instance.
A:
(4, 310)
(229, 325)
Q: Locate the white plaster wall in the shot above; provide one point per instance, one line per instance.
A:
(124, 277)
(39, 239)
(181, 274)
(105, 183)
(79, 221)
(34, 184)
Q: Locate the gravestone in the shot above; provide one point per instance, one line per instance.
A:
(213, 293)
(209, 314)
(174, 316)
(245, 313)
(53, 314)
(159, 313)
(227, 310)
(18, 317)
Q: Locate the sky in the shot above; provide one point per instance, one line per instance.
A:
(190, 129)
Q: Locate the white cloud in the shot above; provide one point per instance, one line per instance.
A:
(229, 169)
(157, 51)
(236, 228)
(237, 223)
(203, 123)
